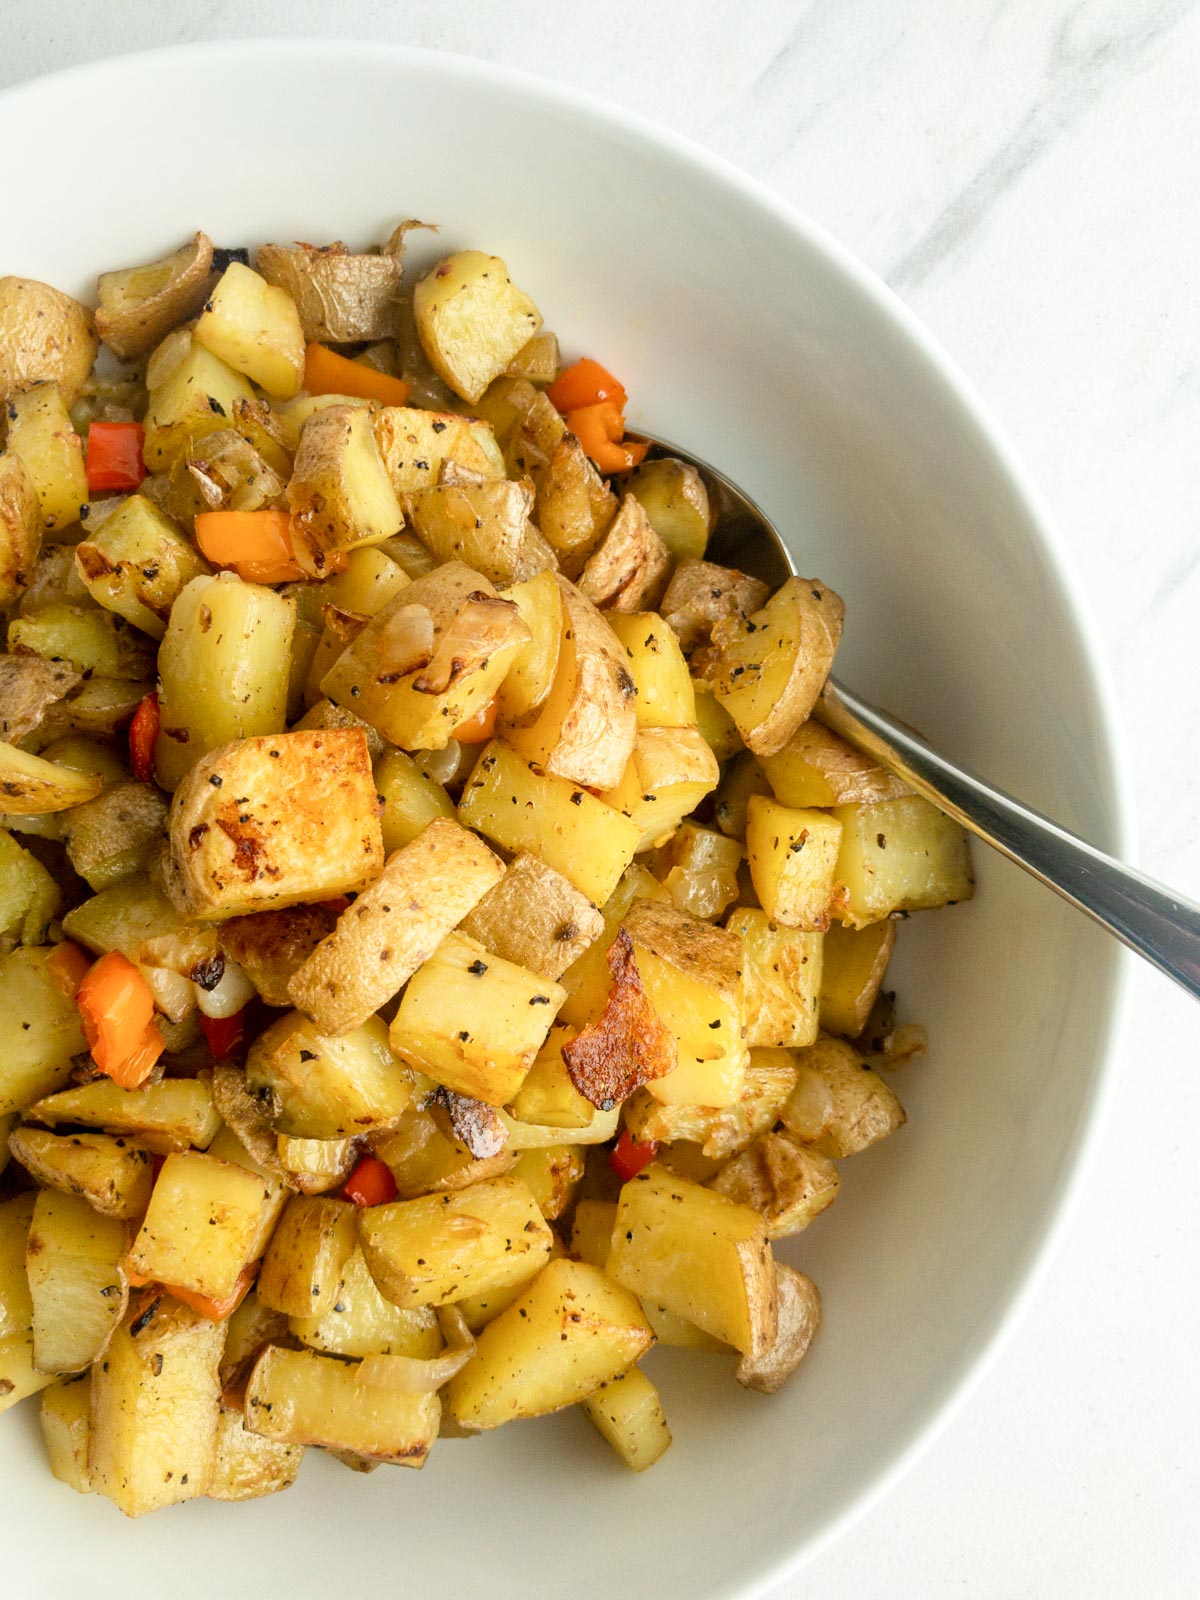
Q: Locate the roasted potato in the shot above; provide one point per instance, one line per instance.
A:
(900, 855)
(793, 858)
(137, 565)
(629, 568)
(40, 435)
(484, 524)
(116, 834)
(339, 494)
(319, 1087)
(786, 1183)
(860, 1109)
(139, 306)
(674, 498)
(670, 772)
(29, 896)
(248, 1465)
(853, 966)
(174, 1114)
(535, 917)
(816, 768)
(20, 528)
(781, 970)
(202, 1225)
(255, 329)
(472, 320)
(302, 1269)
(362, 1323)
(40, 1031)
(425, 1158)
(65, 1417)
(666, 696)
(271, 946)
(702, 595)
(192, 394)
(341, 296)
(45, 337)
(799, 1303)
(416, 445)
(629, 1414)
(75, 1264)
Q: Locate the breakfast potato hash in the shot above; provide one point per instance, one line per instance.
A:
(441, 951)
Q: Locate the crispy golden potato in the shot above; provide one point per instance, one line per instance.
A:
(629, 1414)
(862, 1108)
(339, 494)
(139, 306)
(719, 1134)
(816, 768)
(342, 296)
(853, 967)
(782, 970)
(424, 891)
(472, 320)
(318, 1087)
(484, 524)
(74, 1260)
(20, 529)
(770, 668)
(535, 917)
(271, 946)
(629, 568)
(799, 1319)
(793, 858)
(202, 1225)
(628, 1044)
(271, 822)
(900, 855)
(312, 1242)
(254, 328)
(701, 594)
(586, 726)
(45, 337)
(786, 1183)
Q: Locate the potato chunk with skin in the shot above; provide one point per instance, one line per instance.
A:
(271, 946)
(666, 696)
(424, 890)
(65, 1419)
(701, 594)
(511, 801)
(782, 979)
(247, 1465)
(45, 337)
(424, 1159)
(863, 1107)
(535, 917)
(155, 1408)
(272, 822)
(629, 568)
(41, 436)
(586, 726)
(473, 1021)
(299, 1397)
(793, 857)
(32, 786)
(720, 1134)
(692, 973)
(307, 1254)
(415, 445)
(113, 1175)
(900, 855)
(669, 773)
(674, 497)
(442, 1247)
(137, 565)
(787, 1184)
(484, 524)
(572, 1330)
(339, 494)
(342, 296)
(172, 1114)
(411, 800)
(799, 1319)
(531, 675)
(771, 667)
(201, 1226)
(816, 768)
(20, 528)
(472, 320)
(700, 1255)
(189, 399)
(327, 1088)
(629, 1414)
(254, 328)
(140, 305)
(362, 1323)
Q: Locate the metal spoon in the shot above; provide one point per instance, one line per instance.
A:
(1148, 917)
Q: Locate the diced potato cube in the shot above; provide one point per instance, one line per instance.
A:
(76, 1281)
(854, 965)
(300, 1397)
(521, 808)
(673, 496)
(155, 1408)
(588, 979)
(40, 1030)
(322, 1087)
(247, 1465)
(531, 675)
(900, 855)
(772, 666)
(254, 327)
(16, 1307)
(410, 799)
(272, 822)
(816, 768)
(193, 398)
(700, 1255)
(29, 896)
(781, 973)
(416, 445)
(535, 917)
(201, 1225)
(113, 1175)
(862, 1108)
(472, 320)
(65, 1418)
(743, 778)
(425, 888)
(138, 563)
(786, 1183)
(794, 862)
(361, 1322)
(340, 495)
(572, 1330)
(172, 1114)
(444, 1247)
(40, 435)
(94, 642)
(669, 773)
(718, 1134)
(425, 1160)
(302, 1269)
(473, 1021)
(692, 973)
(666, 697)
(717, 726)
(484, 524)
(629, 1413)
(20, 529)
(553, 1174)
(799, 1319)
(548, 1096)
(316, 1165)
(629, 568)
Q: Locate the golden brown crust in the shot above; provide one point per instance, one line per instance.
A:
(272, 945)
(45, 337)
(132, 323)
(629, 568)
(469, 1122)
(628, 1045)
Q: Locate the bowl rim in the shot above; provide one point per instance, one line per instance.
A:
(768, 1570)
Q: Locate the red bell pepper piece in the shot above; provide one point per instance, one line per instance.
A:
(371, 1183)
(223, 1034)
(629, 1156)
(143, 734)
(114, 457)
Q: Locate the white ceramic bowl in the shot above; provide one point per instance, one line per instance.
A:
(740, 328)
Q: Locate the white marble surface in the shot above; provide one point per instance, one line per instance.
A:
(1025, 173)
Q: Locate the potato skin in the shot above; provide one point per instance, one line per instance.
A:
(342, 297)
(131, 324)
(45, 337)
(20, 529)
(274, 821)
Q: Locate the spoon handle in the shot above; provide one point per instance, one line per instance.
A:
(1149, 918)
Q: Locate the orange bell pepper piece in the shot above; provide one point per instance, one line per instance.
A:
(256, 544)
(585, 384)
(325, 372)
(117, 1011)
(600, 429)
(68, 965)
